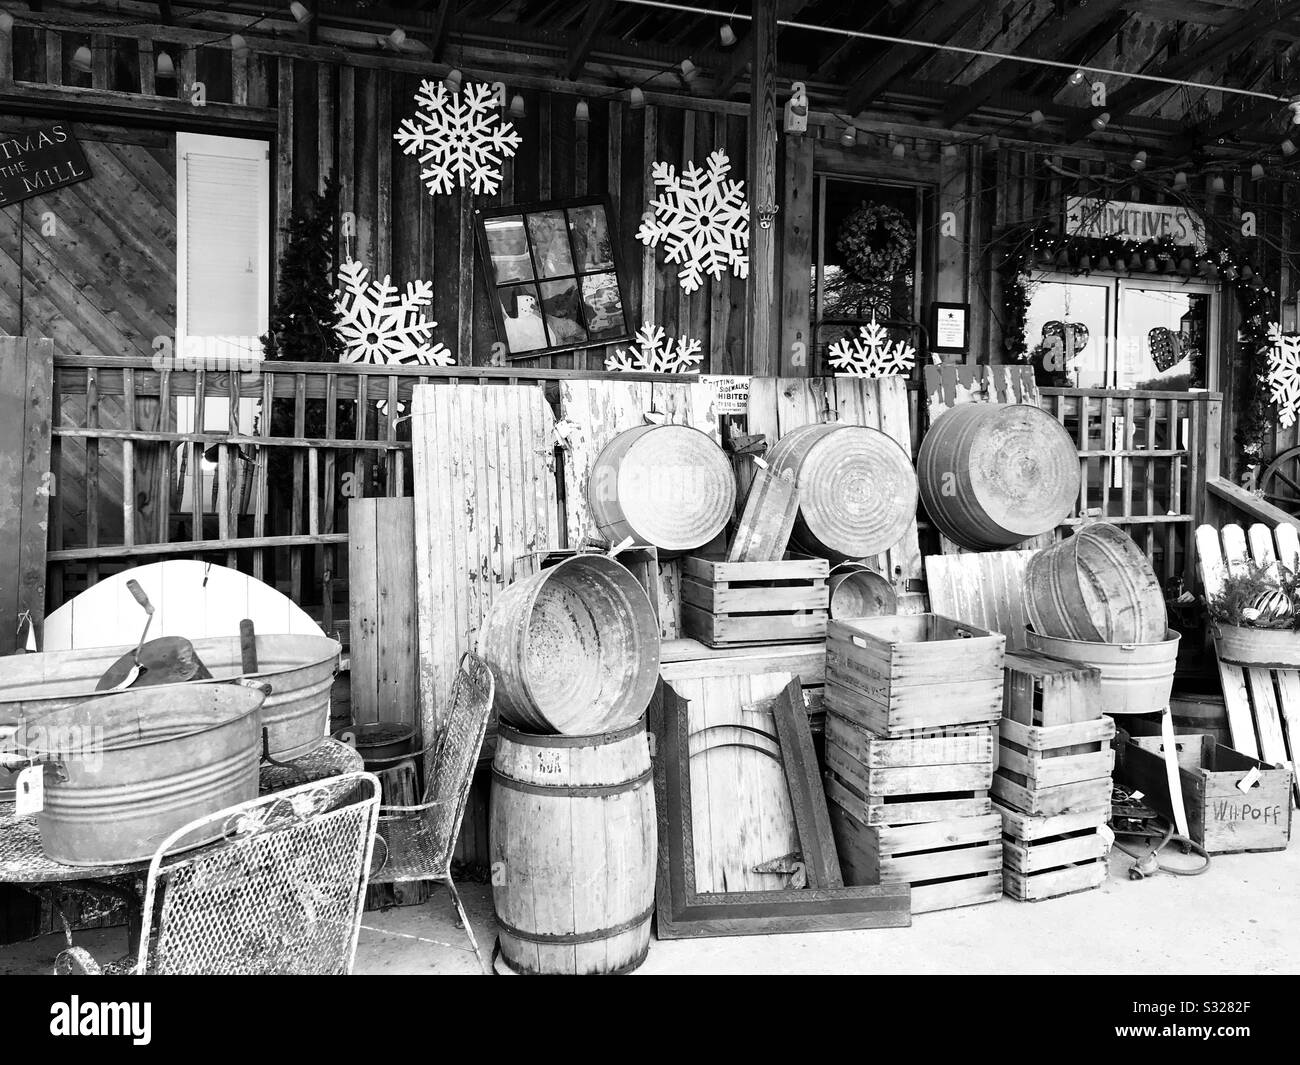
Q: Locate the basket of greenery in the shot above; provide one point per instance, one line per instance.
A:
(1254, 617)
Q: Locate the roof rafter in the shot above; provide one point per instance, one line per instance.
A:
(597, 11)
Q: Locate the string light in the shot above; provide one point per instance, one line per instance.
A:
(688, 71)
(900, 150)
(1036, 117)
(726, 35)
(6, 22)
(1077, 77)
(81, 59)
(993, 142)
(1217, 183)
(582, 113)
(1257, 172)
(950, 151)
(849, 137)
(164, 67)
(517, 106)
(300, 13)
(1288, 147)
(395, 40)
(1101, 121)
(636, 98)
(1180, 180)
(1139, 161)
(453, 79)
(239, 46)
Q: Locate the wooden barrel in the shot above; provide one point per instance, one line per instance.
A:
(992, 474)
(1098, 586)
(574, 648)
(857, 489)
(665, 486)
(573, 846)
(1194, 712)
(857, 591)
(1136, 678)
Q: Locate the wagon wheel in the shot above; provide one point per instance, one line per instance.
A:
(1280, 481)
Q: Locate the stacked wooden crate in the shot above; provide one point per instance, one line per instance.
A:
(911, 703)
(1053, 783)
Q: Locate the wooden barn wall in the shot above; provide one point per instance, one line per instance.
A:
(343, 119)
(1019, 186)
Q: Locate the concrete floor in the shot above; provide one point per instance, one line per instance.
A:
(1243, 916)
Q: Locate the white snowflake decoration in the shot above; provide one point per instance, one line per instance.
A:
(380, 325)
(872, 354)
(1284, 373)
(702, 219)
(656, 354)
(459, 137)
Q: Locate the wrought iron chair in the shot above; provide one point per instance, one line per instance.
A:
(280, 891)
(417, 842)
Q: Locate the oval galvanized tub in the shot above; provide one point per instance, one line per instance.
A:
(992, 474)
(135, 766)
(857, 591)
(572, 826)
(1097, 585)
(1260, 648)
(574, 648)
(667, 486)
(857, 489)
(1136, 678)
(299, 669)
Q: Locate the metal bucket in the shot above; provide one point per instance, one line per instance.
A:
(857, 489)
(1136, 678)
(131, 768)
(857, 591)
(1097, 585)
(575, 648)
(1242, 645)
(992, 474)
(665, 486)
(299, 669)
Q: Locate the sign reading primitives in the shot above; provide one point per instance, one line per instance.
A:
(37, 161)
(1133, 221)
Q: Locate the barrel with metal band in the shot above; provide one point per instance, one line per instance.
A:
(992, 474)
(573, 845)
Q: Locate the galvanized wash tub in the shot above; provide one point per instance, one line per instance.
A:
(1243, 645)
(1136, 678)
(299, 669)
(574, 648)
(129, 769)
(1097, 585)
(858, 591)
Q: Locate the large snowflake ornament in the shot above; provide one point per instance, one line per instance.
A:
(655, 354)
(458, 136)
(379, 324)
(1284, 373)
(702, 218)
(872, 354)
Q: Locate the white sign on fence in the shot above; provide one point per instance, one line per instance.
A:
(1133, 221)
(731, 394)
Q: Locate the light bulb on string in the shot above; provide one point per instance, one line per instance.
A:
(849, 137)
(1139, 161)
(899, 150)
(453, 80)
(636, 98)
(726, 35)
(395, 40)
(1101, 121)
(6, 22)
(517, 106)
(300, 13)
(1217, 184)
(950, 151)
(581, 112)
(164, 67)
(81, 59)
(1288, 147)
(1077, 77)
(993, 143)
(239, 46)
(1036, 117)
(688, 70)
(1180, 181)
(1257, 172)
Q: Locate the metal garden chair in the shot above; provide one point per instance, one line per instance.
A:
(417, 842)
(280, 891)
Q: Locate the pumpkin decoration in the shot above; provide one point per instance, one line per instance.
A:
(1269, 607)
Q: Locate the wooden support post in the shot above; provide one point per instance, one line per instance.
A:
(761, 324)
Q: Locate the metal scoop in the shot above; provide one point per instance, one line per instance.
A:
(132, 674)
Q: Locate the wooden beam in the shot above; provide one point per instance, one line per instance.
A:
(1048, 41)
(742, 53)
(1239, 33)
(761, 326)
(597, 11)
(936, 24)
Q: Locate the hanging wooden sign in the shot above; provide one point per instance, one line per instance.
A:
(1133, 221)
(37, 161)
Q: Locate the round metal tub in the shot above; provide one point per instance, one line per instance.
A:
(857, 591)
(1136, 678)
(1097, 585)
(574, 648)
(131, 768)
(299, 669)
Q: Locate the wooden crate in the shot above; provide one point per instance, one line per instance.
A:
(949, 863)
(1060, 799)
(894, 675)
(904, 809)
(953, 759)
(1047, 857)
(730, 604)
(1046, 692)
(1037, 757)
(1220, 816)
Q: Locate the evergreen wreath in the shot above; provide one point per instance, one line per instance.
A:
(876, 241)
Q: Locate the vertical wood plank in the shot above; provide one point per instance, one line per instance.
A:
(796, 259)
(283, 158)
(760, 323)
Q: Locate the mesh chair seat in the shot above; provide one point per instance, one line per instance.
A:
(404, 851)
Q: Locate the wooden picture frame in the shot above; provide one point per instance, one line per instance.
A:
(946, 318)
(522, 269)
(683, 912)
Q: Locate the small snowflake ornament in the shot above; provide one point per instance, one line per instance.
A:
(1284, 373)
(655, 354)
(378, 324)
(459, 137)
(702, 219)
(872, 354)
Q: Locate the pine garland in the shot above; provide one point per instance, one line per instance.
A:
(303, 322)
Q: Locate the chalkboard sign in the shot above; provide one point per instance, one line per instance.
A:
(37, 161)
